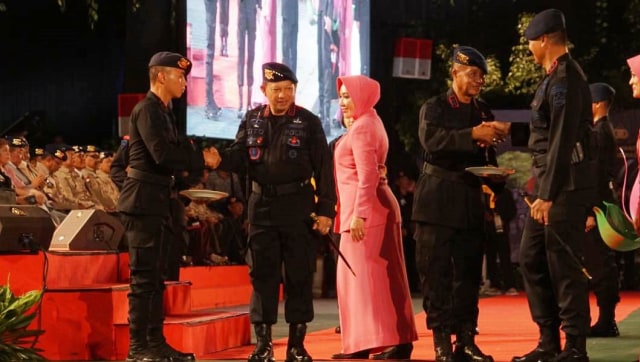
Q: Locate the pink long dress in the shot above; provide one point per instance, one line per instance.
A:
(375, 305)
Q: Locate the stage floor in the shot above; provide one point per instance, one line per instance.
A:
(505, 330)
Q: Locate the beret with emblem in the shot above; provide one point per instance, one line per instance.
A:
(172, 60)
(17, 142)
(601, 92)
(77, 149)
(277, 72)
(634, 64)
(545, 22)
(469, 56)
(56, 151)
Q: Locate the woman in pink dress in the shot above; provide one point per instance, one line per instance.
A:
(374, 304)
(634, 82)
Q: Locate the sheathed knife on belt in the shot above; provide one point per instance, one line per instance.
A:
(564, 245)
(327, 238)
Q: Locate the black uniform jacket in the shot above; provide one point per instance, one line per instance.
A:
(561, 118)
(607, 165)
(154, 155)
(445, 193)
(280, 153)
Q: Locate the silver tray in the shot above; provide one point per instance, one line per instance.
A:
(490, 171)
(204, 195)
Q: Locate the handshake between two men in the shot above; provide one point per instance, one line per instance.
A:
(490, 133)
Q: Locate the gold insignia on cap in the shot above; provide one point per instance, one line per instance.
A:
(59, 154)
(38, 151)
(91, 148)
(462, 58)
(268, 74)
(183, 63)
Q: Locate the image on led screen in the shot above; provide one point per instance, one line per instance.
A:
(229, 40)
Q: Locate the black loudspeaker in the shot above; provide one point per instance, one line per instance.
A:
(24, 228)
(87, 230)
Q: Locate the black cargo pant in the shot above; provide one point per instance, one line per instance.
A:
(449, 262)
(149, 238)
(271, 247)
(557, 291)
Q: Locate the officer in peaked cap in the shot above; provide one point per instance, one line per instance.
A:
(172, 60)
(564, 168)
(599, 258)
(284, 146)
(467, 55)
(149, 205)
(545, 22)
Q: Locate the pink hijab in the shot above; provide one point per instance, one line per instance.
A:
(634, 64)
(364, 91)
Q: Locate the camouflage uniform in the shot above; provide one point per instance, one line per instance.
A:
(70, 191)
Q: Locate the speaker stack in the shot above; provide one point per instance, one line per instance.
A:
(24, 228)
(87, 230)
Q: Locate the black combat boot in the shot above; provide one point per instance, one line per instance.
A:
(548, 347)
(606, 325)
(442, 345)
(466, 349)
(264, 347)
(158, 346)
(575, 350)
(138, 347)
(295, 346)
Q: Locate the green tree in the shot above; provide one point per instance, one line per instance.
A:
(524, 75)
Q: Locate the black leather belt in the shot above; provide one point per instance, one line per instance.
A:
(278, 190)
(164, 180)
(456, 176)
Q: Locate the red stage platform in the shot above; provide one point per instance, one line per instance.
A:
(84, 307)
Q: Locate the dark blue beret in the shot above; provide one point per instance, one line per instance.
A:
(601, 92)
(469, 56)
(173, 60)
(56, 151)
(277, 72)
(545, 22)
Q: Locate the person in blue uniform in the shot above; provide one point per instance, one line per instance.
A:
(562, 143)
(281, 146)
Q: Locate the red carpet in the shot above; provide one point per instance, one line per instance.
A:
(505, 328)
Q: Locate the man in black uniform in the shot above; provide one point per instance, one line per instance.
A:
(147, 204)
(282, 146)
(456, 132)
(600, 259)
(561, 141)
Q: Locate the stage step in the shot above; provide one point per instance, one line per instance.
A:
(84, 309)
(200, 334)
(218, 286)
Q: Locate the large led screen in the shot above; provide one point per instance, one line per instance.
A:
(229, 40)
